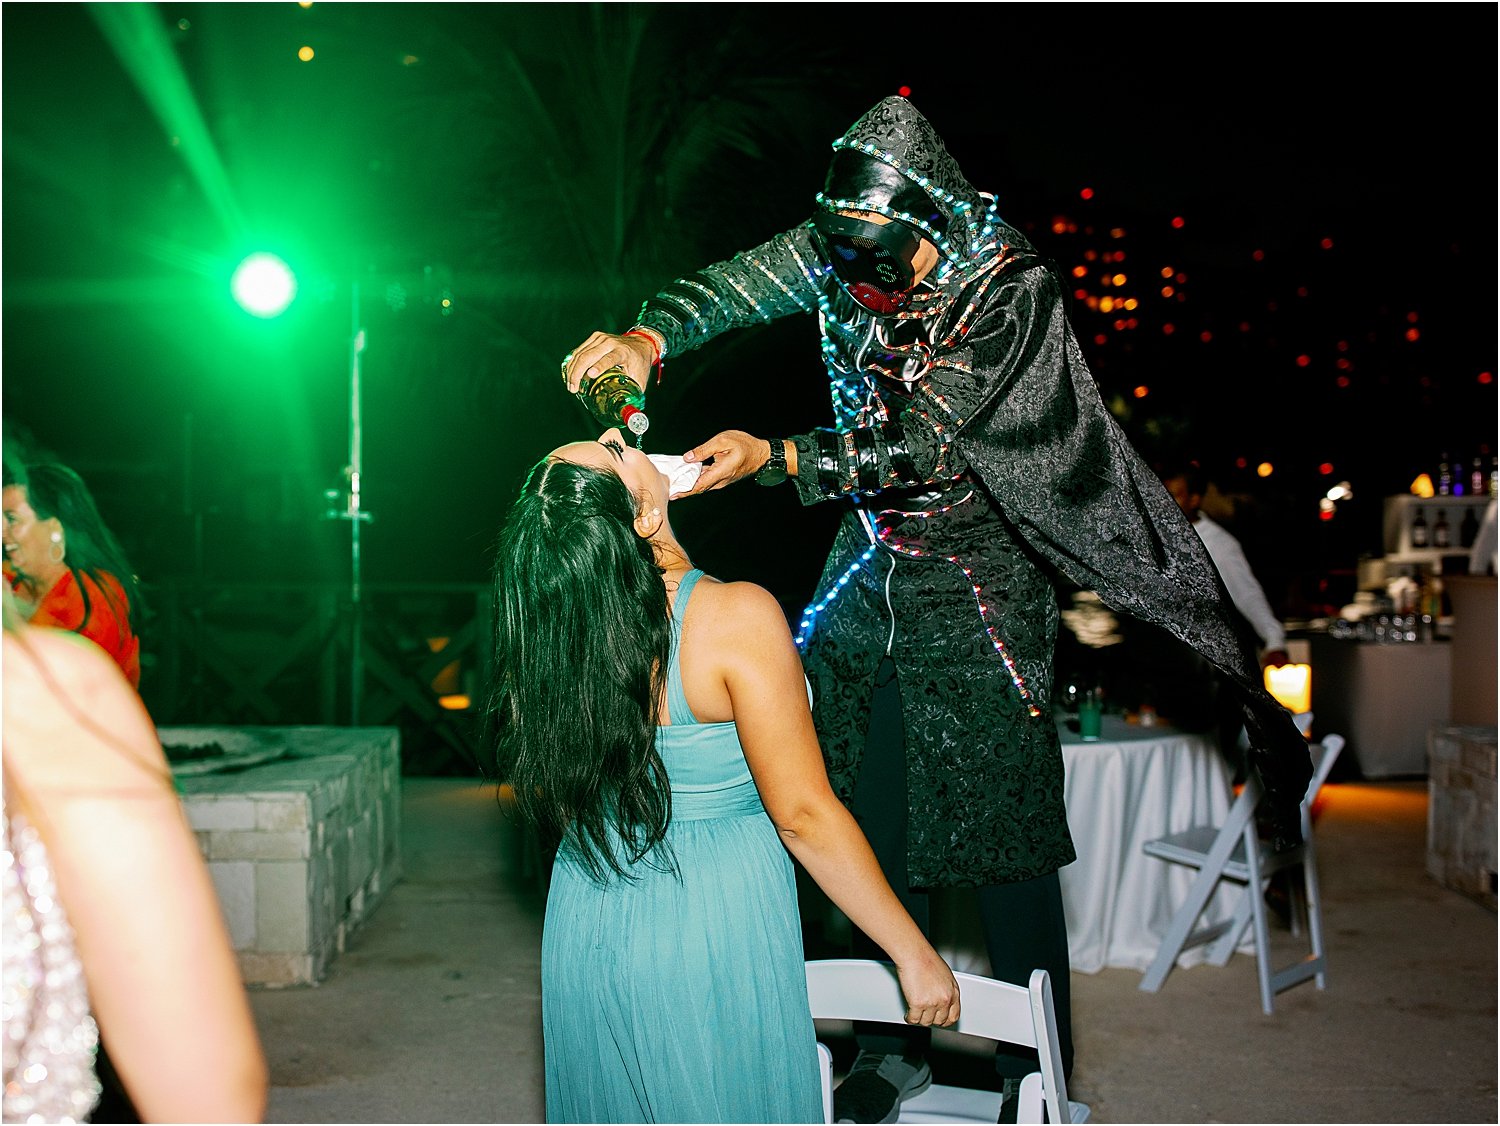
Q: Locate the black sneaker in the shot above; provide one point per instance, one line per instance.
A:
(877, 1085)
(1009, 1089)
(1009, 1105)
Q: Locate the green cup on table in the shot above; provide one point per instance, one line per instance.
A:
(1090, 713)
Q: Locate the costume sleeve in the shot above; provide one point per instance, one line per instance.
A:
(1028, 420)
(756, 286)
(915, 449)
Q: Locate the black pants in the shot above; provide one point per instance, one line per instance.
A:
(1023, 922)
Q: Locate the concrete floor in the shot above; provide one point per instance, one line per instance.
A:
(432, 1014)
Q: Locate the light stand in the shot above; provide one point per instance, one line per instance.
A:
(352, 510)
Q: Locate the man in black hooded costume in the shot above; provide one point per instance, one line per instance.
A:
(976, 459)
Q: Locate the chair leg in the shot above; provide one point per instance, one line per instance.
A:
(1256, 891)
(1221, 951)
(1297, 897)
(1314, 903)
(1176, 937)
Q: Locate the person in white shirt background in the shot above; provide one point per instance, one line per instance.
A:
(1187, 488)
(1186, 690)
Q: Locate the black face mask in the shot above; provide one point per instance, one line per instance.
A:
(873, 261)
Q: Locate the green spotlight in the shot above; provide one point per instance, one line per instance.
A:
(263, 285)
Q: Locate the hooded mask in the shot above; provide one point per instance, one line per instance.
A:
(893, 162)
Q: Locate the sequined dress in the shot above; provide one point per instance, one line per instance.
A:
(50, 1038)
(681, 997)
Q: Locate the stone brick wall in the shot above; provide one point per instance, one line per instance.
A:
(1461, 810)
(301, 847)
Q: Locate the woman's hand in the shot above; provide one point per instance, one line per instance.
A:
(727, 457)
(930, 989)
(602, 351)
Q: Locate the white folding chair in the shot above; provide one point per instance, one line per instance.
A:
(863, 989)
(1234, 851)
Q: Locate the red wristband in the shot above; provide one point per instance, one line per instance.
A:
(651, 340)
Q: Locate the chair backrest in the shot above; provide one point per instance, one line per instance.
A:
(1325, 753)
(866, 989)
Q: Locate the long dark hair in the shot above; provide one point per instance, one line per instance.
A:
(582, 644)
(54, 490)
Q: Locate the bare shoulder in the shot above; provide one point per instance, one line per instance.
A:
(55, 660)
(743, 612)
(68, 708)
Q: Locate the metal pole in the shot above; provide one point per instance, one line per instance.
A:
(355, 515)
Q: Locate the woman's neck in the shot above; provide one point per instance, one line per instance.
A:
(670, 556)
(32, 588)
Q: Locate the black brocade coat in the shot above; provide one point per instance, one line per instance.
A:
(976, 454)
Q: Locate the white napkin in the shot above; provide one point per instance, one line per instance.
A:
(681, 475)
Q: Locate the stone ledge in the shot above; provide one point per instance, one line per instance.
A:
(1461, 810)
(301, 848)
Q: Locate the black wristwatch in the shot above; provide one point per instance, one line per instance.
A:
(773, 472)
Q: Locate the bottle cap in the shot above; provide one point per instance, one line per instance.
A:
(635, 419)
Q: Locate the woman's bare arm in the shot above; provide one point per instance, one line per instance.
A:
(764, 678)
(162, 976)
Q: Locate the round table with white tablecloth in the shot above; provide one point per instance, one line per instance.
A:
(1132, 784)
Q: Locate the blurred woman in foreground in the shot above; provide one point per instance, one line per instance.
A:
(109, 912)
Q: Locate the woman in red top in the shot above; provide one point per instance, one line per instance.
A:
(65, 566)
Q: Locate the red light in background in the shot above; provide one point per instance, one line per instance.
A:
(1168, 329)
(1325, 514)
(1087, 193)
(1258, 255)
(1326, 244)
(1205, 336)
(1342, 381)
(904, 91)
(1240, 463)
(1178, 222)
(1326, 468)
(1141, 392)
(1303, 361)
(1486, 377)
(1413, 335)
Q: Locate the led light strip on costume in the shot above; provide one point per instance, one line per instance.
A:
(905, 548)
(804, 628)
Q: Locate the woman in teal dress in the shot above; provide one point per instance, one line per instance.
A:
(654, 724)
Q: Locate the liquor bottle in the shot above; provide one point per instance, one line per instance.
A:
(1442, 535)
(1479, 480)
(613, 398)
(1445, 476)
(1418, 529)
(1468, 531)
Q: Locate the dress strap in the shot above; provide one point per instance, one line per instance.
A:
(677, 705)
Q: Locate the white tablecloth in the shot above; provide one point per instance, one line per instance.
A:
(1135, 783)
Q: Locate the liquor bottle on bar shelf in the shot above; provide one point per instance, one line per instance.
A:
(1418, 529)
(1442, 535)
(1445, 476)
(1468, 530)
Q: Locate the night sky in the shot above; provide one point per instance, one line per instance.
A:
(545, 167)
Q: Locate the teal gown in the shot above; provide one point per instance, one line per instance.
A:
(682, 997)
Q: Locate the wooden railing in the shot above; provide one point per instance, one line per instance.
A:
(280, 654)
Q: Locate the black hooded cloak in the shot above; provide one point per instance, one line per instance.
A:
(976, 456)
